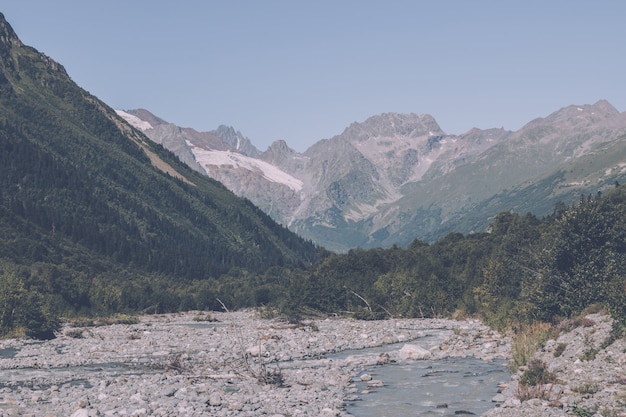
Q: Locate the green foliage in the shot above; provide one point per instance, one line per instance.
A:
(584, 260)
(523, 271)
(92, 227)
(537, 374)
(22, 307)
(582, 411)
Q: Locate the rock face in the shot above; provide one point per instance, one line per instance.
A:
(397, 177)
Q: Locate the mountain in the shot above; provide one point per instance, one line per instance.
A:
(333, 192)
(86, 192)
(525, 159)
(397, 177)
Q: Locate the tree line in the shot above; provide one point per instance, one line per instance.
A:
(522, 269)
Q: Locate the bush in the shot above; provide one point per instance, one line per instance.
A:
(75, 333)
(526, 341)
(38, 320)
(537, 374)
(560, 349)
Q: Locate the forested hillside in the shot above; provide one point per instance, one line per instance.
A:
(523, 270)
(96, 217)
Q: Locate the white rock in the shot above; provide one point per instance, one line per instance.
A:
(329, 412)
(255, 350)
(413, 352)
(498, 398)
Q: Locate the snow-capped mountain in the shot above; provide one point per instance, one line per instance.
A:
(397, 177)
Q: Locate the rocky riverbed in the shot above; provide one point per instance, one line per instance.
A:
(241, 365)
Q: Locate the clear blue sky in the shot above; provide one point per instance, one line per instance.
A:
(304, 70)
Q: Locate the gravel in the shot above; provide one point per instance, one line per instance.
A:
(241, 365)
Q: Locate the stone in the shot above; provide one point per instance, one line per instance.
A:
(383, 359)
(498, 398)
(235, 406)
(413, 352)
(328, 412)
(255, 350)
(375, 383)
(215, 400)
(555, 404)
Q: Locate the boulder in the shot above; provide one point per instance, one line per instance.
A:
(413, 352)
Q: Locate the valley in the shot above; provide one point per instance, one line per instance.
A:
(135, 253)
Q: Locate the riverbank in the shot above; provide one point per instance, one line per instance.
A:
(584, 371)
(237, 365)
(240, 365)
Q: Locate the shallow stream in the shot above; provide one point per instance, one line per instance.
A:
(454, 386)
(444, 387)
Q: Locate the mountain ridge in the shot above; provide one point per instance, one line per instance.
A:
(86, 184)
(384, 181)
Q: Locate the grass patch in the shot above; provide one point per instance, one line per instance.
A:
(526, 341)
(537, 374)
(587, 388)
(205, 318)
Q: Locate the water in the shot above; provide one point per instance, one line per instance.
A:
(8, 353)
(72, 375)
(445, 387)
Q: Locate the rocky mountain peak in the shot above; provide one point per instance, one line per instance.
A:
(577, 115)
(236, 140)
(605, 107)
(146, 116)
(8, 37)
(9, 40)
(277, 152)
(393, 124)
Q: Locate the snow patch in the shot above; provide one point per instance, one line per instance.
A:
(134, 121)
(207, 157)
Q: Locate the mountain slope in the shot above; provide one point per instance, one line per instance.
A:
(572, 136)
(397, 177)
(81, 187)
(335, 191)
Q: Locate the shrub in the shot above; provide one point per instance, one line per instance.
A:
(205, 318)
(537, 374)
(526, 341)
(582, 411)
(560, 349)
(587, 388)
(75, 333)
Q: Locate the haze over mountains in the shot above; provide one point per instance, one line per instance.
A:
(396, 177)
